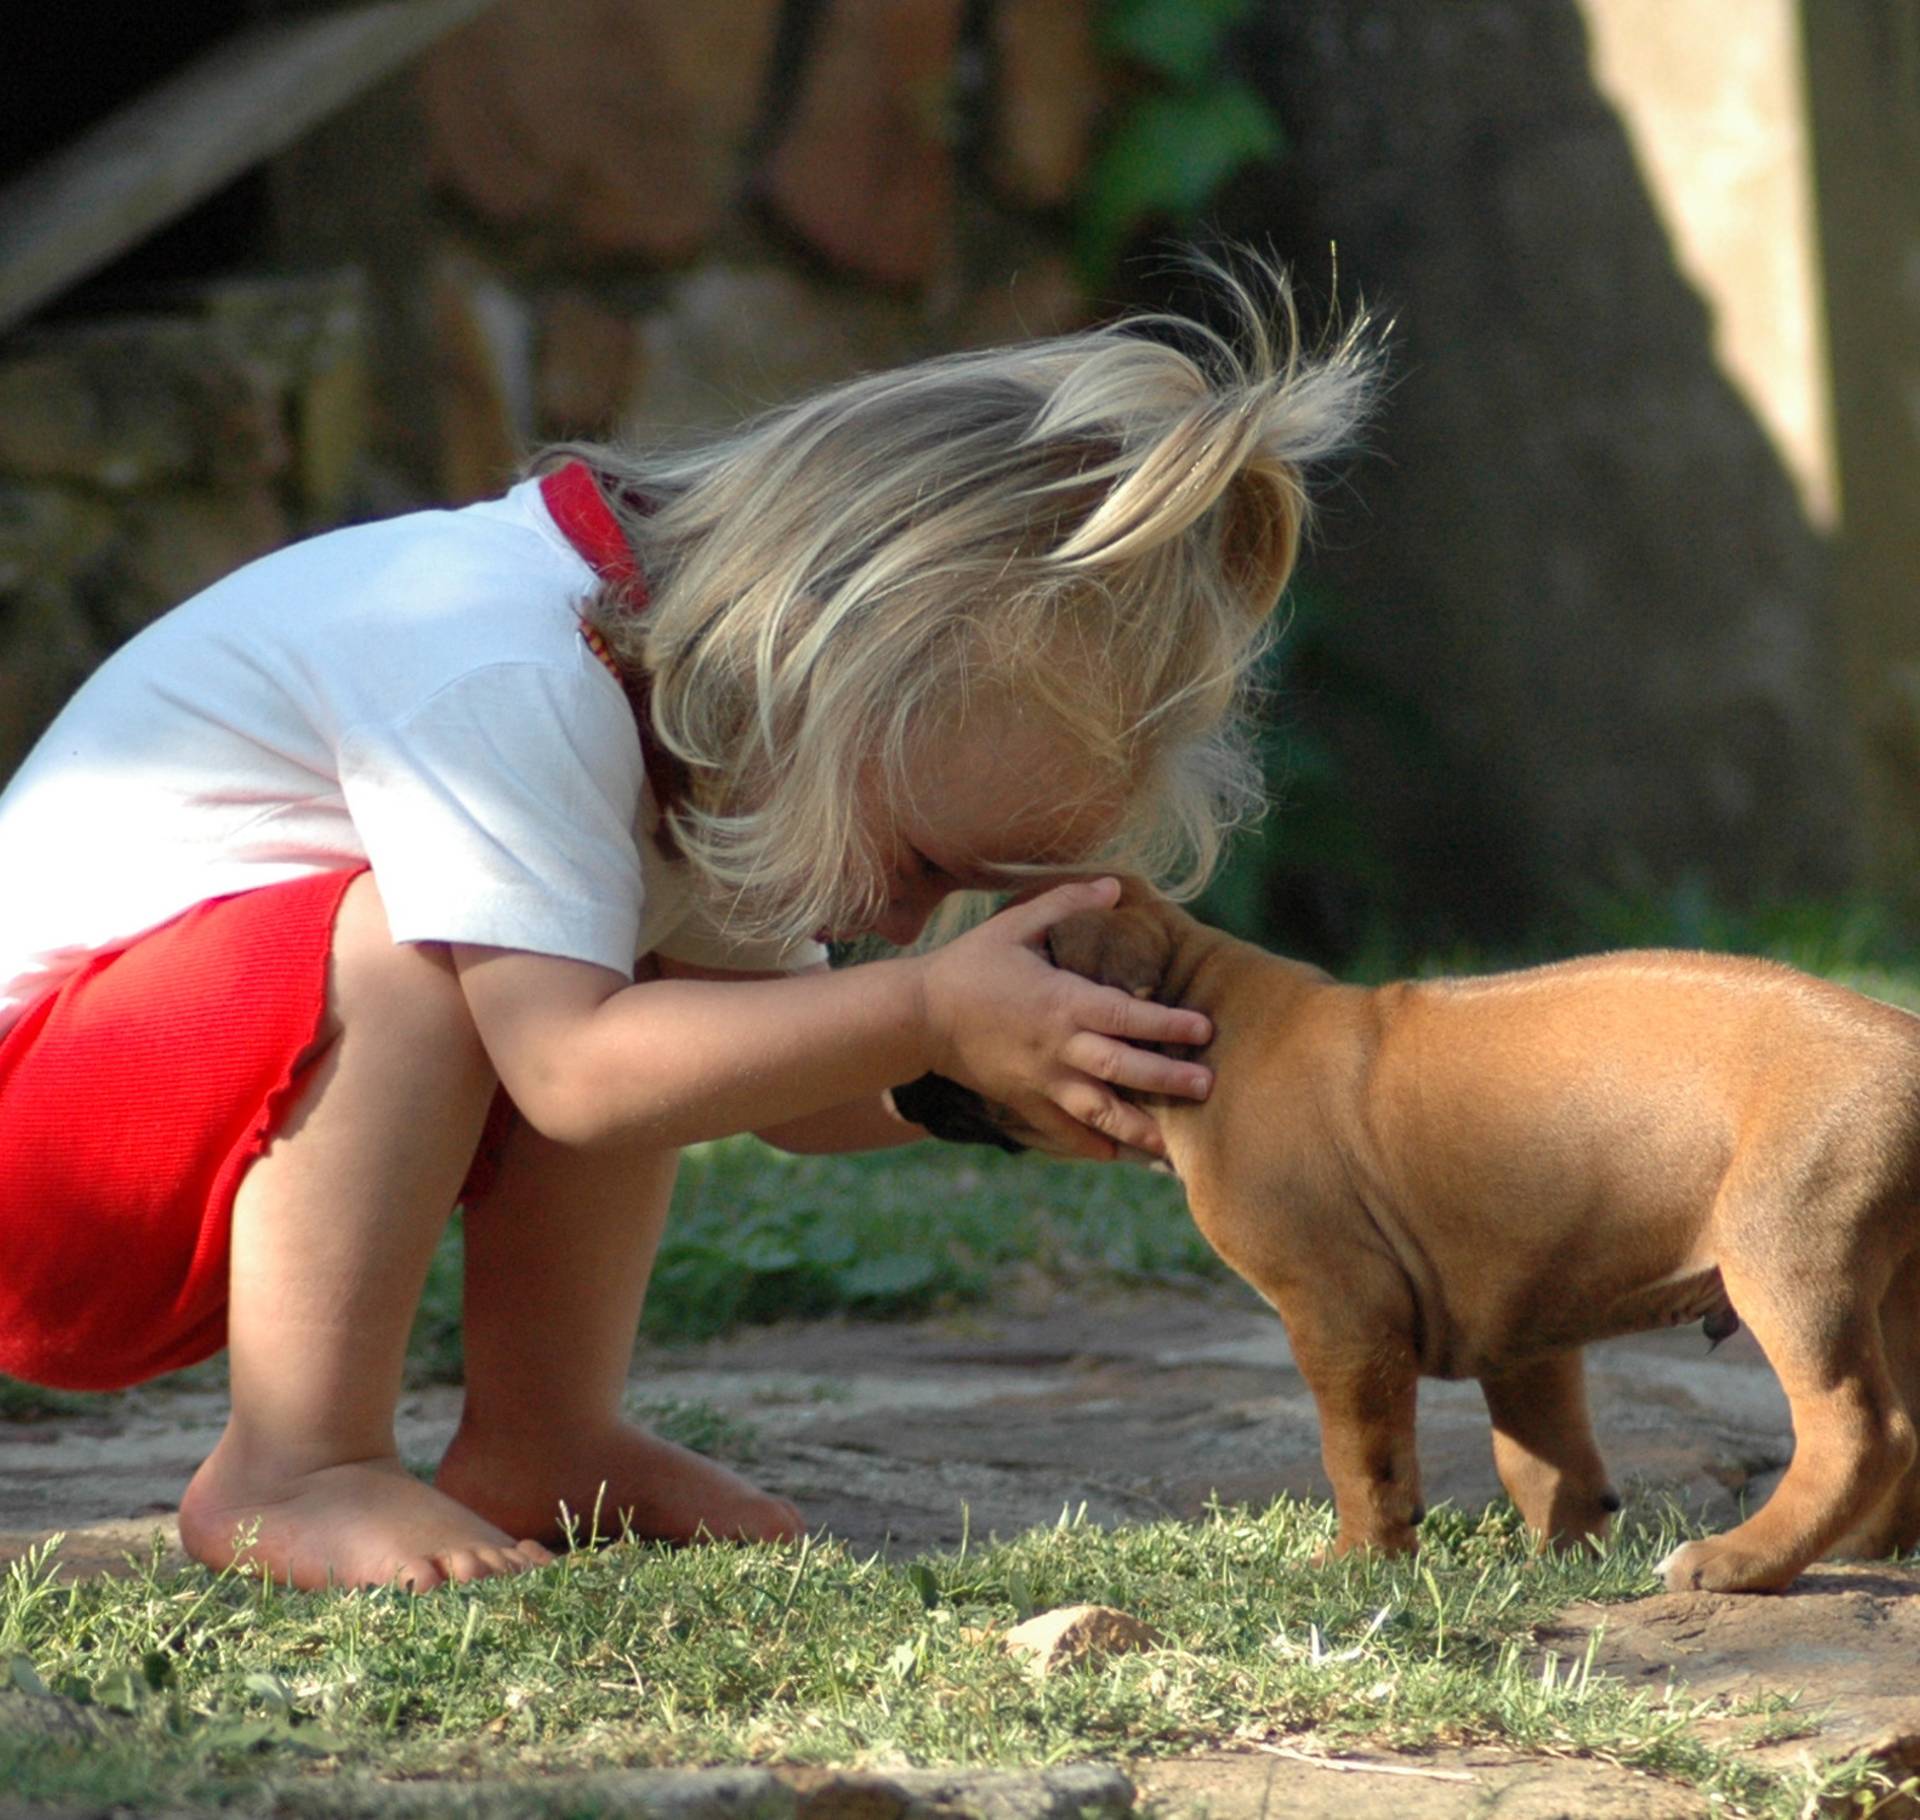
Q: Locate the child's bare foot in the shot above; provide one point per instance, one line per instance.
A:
(629, 1479)
(361, 1523)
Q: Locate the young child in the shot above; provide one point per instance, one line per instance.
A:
(323, 899)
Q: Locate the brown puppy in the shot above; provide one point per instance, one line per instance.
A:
(1477, 1177)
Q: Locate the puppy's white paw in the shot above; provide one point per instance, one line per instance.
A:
(1712, 1565)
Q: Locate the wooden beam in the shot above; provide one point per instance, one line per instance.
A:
(240, 102)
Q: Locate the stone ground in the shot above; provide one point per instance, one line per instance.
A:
(1138, 1405)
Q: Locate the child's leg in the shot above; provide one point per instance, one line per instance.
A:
(333, 1229)
(558, 1256)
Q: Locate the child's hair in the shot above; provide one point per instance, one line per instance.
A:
(1093, 528)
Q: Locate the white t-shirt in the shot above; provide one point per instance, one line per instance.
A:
(413, 693)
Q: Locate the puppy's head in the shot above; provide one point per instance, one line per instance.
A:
(1129, 946)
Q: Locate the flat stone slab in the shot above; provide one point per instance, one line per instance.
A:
(1070, 1791)
(1844, 1638)
(1379, 1785)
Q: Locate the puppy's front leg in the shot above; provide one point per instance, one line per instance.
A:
(1365, 1386)
(1544, 1450)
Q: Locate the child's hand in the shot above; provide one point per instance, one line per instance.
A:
(1048, 1044)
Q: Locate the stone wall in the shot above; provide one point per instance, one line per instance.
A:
(663, 217)
(636, 215)
(143, 457)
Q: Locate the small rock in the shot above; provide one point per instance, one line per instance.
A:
(864, 171)
(1073, 1633)
(133, 402)
(588, 368)
(1064, 1791)
(1050, 93)
(49, 1716)
(737, 337)
(599, 129)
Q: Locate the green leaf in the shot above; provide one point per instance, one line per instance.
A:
(120, 1690)
(830, 1248)
(1167, 158)
(874, 1279)
(275, 1692)
(237, 1736)
(1179, 39)
(767, 1256)
(24, 1677)
(925, 1582)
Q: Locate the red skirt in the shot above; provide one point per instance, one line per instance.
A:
(132, 1100)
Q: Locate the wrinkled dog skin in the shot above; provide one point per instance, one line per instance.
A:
(1478, 1177)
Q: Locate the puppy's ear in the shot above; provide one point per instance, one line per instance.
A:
(1128, 947)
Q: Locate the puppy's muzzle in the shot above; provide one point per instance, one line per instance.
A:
(957, 1114)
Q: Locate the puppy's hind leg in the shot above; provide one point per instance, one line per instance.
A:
(1544, 1450)
(1817, 1320)
(1894, 1525)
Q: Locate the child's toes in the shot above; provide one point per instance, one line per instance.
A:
(422, 1574)
(492, 1560)
(782, 1522)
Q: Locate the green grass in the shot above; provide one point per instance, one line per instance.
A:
(760, 1236)
(212, 1688)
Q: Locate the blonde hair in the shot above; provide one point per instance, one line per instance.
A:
(1094, 528)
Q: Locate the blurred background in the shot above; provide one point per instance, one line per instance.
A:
(1612, 631)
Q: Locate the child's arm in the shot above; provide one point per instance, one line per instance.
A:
(868, 1123)
(589, 1058)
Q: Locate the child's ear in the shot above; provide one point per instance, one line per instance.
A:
(1128, 948)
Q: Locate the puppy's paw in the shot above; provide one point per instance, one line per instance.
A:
(1576, 1523)
(1400, 1540)
(1711, 1566)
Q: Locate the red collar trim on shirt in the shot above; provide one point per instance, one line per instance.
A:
(574, 501)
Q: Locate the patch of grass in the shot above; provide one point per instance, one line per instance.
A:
(757, 1235)
(1859, 943)
(210, 1687)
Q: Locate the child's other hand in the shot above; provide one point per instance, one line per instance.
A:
(1048, 1044)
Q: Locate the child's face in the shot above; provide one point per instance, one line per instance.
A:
(1000, 793)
